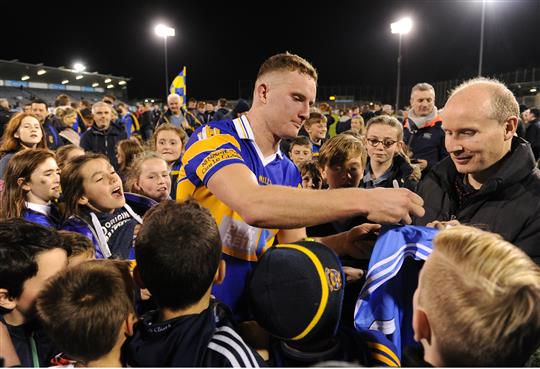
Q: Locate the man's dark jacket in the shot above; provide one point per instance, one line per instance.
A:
(104, 142)
(532, 134)
(507, 204)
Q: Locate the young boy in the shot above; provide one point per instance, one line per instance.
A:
(342, 161)
(296, 293)
(300, 150)
(30, 254)
(87, 310)
(311, 175)
(316, 128)
(82, 248)
(178, 253)
(488, 313)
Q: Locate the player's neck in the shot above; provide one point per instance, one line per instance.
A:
(265, 139)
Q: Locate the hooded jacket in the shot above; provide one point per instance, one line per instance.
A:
(104, 142)
(198, 340)
(508, 203)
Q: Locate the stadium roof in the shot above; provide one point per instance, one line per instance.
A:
(12, 73)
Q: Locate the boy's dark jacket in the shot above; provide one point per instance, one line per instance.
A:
(198, 340)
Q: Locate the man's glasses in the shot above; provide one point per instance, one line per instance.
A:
(386, 143)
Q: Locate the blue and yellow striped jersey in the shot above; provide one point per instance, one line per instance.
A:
(210, 148)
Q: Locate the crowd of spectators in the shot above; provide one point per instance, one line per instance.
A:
(246, 235)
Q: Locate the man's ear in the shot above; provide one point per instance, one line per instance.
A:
(262, 92)
(421, 326)
(220, 272)
(83, 200)
(510, 127)
(6, 301)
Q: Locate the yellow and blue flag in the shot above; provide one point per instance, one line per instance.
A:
(178, 86)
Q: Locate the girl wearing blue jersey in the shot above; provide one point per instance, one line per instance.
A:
(31, 187)
(96, 207)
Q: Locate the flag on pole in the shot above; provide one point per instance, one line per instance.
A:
(178, 86)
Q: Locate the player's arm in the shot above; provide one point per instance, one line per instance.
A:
(287, 207)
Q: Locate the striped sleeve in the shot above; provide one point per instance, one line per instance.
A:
(210, 152)
(228, 344)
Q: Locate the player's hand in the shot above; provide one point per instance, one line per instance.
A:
(393, 205)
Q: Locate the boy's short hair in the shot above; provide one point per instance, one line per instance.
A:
(79, 243)
(312, 168)
(488, 313)
(341, 148)
(287, 62)
(300, 141)
(20, 243)
(296, 292)
(83, 308)
(314, 118)
(178, 251)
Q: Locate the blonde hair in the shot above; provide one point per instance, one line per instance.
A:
(170, 127)
(135, 169)
(487, 314)
(341, 148)
(386, 120)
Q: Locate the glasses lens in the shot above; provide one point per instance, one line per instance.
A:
(373, 142)
(388, 143)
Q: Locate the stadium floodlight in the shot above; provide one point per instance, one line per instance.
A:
(108, 80)
(66, 81)
(110, 86)
(121, 83)
(41, 72)
(401, 27)
(79, 67)
(533, 89)
(80, 76)
(165, 31)
(95, 84)
(25, 77)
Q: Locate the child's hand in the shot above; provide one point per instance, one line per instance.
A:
(353, 274)
(443, 225)
(359, 241)
(145, 294)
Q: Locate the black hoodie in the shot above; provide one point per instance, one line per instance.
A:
(198, 340)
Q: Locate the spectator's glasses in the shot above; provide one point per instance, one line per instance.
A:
(386, 143)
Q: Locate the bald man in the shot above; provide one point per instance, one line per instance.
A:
(490, 178)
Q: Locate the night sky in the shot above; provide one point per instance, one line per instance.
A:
(349, 42)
